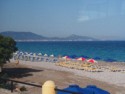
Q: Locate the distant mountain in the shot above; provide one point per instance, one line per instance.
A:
(23, 35)
(74, 37)
(29, 36)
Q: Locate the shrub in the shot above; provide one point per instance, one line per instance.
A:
(23, 88)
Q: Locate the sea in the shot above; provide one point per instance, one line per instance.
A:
(101, 50)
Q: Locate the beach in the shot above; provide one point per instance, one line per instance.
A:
(70, 42)
(63, 77)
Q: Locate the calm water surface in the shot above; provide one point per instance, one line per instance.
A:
(102, 49)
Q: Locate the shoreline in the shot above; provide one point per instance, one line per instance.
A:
(40, 57)
(115, 78)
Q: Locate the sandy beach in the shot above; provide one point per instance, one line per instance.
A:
(116, 78)
(111, 81)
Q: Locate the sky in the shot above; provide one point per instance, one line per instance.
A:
(104, 19)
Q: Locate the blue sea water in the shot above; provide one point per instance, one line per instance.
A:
(104, 50)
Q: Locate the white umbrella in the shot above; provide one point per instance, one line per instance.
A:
(45, 55)
(39, 54)
(34, 54)
(52, 55)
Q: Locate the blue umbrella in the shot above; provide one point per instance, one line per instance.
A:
(97, 58)
(75, 89)
(95, 90)
(84, 56)
(91, 89)
(110, 60)
(71, 88)
(73, 56)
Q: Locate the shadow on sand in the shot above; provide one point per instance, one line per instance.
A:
(20, 72)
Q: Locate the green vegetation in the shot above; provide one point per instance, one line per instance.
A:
(3, 83)
(23, 88)
(7, 47)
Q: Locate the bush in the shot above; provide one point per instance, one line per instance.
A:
(23, 88)
(7, 47)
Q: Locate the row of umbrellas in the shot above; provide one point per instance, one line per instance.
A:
(32, 54)
(34, 57)
(81, 59)
(95, 58)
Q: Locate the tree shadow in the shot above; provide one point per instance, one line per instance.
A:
(19, 72)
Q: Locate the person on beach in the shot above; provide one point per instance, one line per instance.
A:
(17, 62)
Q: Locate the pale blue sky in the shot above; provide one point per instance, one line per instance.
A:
(96, 18)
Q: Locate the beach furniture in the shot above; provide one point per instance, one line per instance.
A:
(72, 88)
(97, 58)
(73, 56)
(45, 55)
(90, 89)
(81, 59)
(110, 60)
(84, 56)
(114, 69)
(90, 67)
(51, 55)
(66, 58)
(39, 54)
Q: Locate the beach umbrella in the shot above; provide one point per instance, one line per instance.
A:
(21, 53)
(28, 55)
(97, 58)
(15, 54)
(73, 56)
(81, 59)
(52, 55)
(84, 56)
(25, 53)
(39, 54)
(71, 88)
(31, 53)
(34, 54)
(45, 55)
(66, 57)
(91, 61)
(92, 89)
(110, 60)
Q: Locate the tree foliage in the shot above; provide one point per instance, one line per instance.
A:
(7, 47)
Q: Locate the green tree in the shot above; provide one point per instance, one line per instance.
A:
(7, 47)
